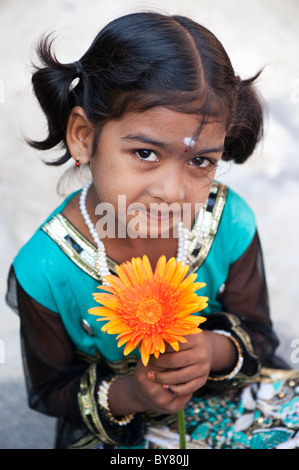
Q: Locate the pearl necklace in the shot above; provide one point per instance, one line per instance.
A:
(101, 258)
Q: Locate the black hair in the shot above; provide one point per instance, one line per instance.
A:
(142, 60)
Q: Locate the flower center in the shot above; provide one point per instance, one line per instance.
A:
(149, 311)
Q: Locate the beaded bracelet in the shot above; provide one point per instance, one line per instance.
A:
(103, 401)
(240, 361)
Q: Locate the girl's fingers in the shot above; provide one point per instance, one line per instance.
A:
(188, 379)
(184, 389)
(195, 352)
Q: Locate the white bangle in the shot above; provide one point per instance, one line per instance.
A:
(103, 401)
(240, 361)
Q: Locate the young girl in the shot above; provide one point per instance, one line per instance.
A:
(151, 108)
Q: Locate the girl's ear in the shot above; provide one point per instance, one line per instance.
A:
(79, 135)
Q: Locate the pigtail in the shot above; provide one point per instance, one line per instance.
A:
(52, 86)
(246, 128)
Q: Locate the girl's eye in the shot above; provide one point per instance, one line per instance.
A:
(202, 162)
(148, 155)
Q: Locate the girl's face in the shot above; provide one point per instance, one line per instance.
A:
(150, 168)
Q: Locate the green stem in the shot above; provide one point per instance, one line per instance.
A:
(182, 428)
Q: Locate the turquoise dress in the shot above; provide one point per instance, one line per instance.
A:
(56, 268)
(64, 276)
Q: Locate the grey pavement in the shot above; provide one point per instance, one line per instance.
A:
(256, 34)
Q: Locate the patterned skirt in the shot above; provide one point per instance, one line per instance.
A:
(262, 415)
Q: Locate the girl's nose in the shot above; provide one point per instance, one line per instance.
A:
(168, 185)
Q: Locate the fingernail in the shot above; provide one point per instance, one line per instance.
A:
(151, 376)
(167, 388)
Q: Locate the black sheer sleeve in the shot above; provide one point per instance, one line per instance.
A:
(57, 377)
(246, 295)
(51, 366)
(246, 317)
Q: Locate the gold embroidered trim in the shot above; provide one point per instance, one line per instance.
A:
(124, 366)
(205, 227)
(269, 375)
(80, 250)
(83, 253)
(87, 442)
(88, 406)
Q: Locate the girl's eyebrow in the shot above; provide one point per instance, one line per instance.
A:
(210, 150)
(147, 140)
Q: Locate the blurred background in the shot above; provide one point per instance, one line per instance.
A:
(256, 34)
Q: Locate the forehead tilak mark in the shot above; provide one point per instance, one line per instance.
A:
(189, 142)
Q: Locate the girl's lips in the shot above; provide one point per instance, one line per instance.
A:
(159, 215)
(163, 216)
(155, 215)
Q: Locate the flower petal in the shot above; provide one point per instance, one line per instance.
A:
(146, 309)
(139, 269)
(99, 311)
(147, 343)
(159, 344)
(129, 347)
(160, 266)
(144, 354)
(131, 273)
(179, 273)
(148, 267)
(188, 281)
(116, 282)
(175, 345)
(123, 276)
(169, 269)
(114, 327)
(108, 300)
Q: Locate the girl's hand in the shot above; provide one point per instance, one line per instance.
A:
(138, 393)
(167, 383)
(185, 371)
(154, 395)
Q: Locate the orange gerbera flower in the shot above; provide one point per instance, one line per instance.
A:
(151, 308)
